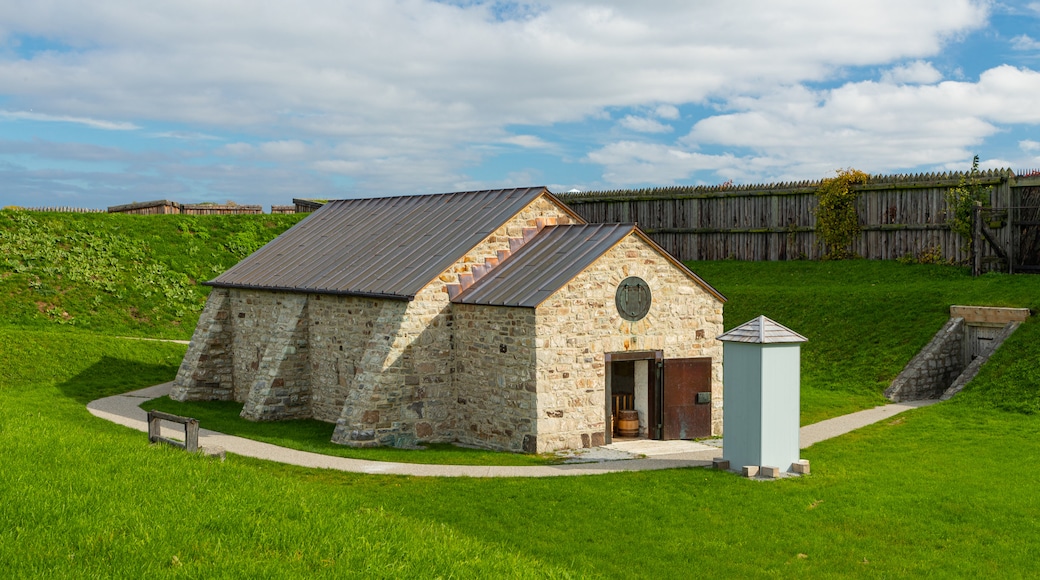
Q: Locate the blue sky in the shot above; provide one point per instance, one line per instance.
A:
(115, 101)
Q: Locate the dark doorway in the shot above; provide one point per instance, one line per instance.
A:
(632, 386)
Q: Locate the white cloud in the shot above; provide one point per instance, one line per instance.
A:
(283, 149)
(643, 125)
(403, 95)
(669, 112)
(1029, 146)
(239, 149)
(917, 72)
(877, 127)
(184, 135)
(277, 150)
(89, 122)
(629, 162)
(1025, 42)
(527, 142)
(340, 166)
(440, 76)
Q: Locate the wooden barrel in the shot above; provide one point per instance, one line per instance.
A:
(628, 423)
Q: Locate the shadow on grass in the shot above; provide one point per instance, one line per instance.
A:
(314, 436)
(113, 376)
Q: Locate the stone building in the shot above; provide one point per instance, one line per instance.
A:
(493, 318)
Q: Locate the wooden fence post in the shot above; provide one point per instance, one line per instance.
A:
(976, 238)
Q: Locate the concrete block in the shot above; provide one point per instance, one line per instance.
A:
(214, 451)
(749, 471)
(770, 472)
(720, 463)
(801, 466)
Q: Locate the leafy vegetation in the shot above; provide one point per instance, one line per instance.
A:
(961, 202)
(837, 222)
(125, 274)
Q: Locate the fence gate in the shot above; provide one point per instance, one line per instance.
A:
(1025, 230)
(1014, 249)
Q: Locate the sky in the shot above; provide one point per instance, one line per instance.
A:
(115, 101)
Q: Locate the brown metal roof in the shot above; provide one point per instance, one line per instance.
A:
(544, 264)
(550, 260)
(386, 247)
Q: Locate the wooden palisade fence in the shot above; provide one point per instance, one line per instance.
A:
(900, 216)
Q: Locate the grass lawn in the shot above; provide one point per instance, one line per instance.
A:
(315, 436)
(864, 319)
(948, 490)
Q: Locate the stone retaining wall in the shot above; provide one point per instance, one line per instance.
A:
(933, 369)
(972, 369)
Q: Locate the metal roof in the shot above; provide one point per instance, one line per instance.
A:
(544, 264)
(762, 330)
(550, 260)
(386, 247)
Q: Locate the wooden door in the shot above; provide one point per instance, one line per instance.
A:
(684, 417)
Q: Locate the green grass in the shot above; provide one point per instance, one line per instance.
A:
(120, 274)
(948, 490)
(315, 436)
(81, 497)
(864, 319)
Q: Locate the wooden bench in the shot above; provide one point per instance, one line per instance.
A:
(191, 430)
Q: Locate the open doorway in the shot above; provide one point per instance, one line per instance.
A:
(648, 397)
(631, 389)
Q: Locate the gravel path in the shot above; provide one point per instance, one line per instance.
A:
(639, 455)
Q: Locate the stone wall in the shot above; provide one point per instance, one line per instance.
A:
(206, 372)
(381, 369)
(270, 354)
(408, 394)
(975, 365)
(252, 347)
(402, 376)
(342, 329)
(495, 366)
(934, 368)
(387, 373)
(579, 323)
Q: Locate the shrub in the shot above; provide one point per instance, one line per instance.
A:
(961, 201)
(837, 222)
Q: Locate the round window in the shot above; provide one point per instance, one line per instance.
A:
(632, 298)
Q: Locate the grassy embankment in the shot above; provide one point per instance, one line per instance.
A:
(948, 490)
(864, 320)
(120, 274)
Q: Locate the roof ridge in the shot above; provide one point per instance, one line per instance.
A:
(391, 246)
(540, 188)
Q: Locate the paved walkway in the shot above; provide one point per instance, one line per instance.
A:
(124, 410)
